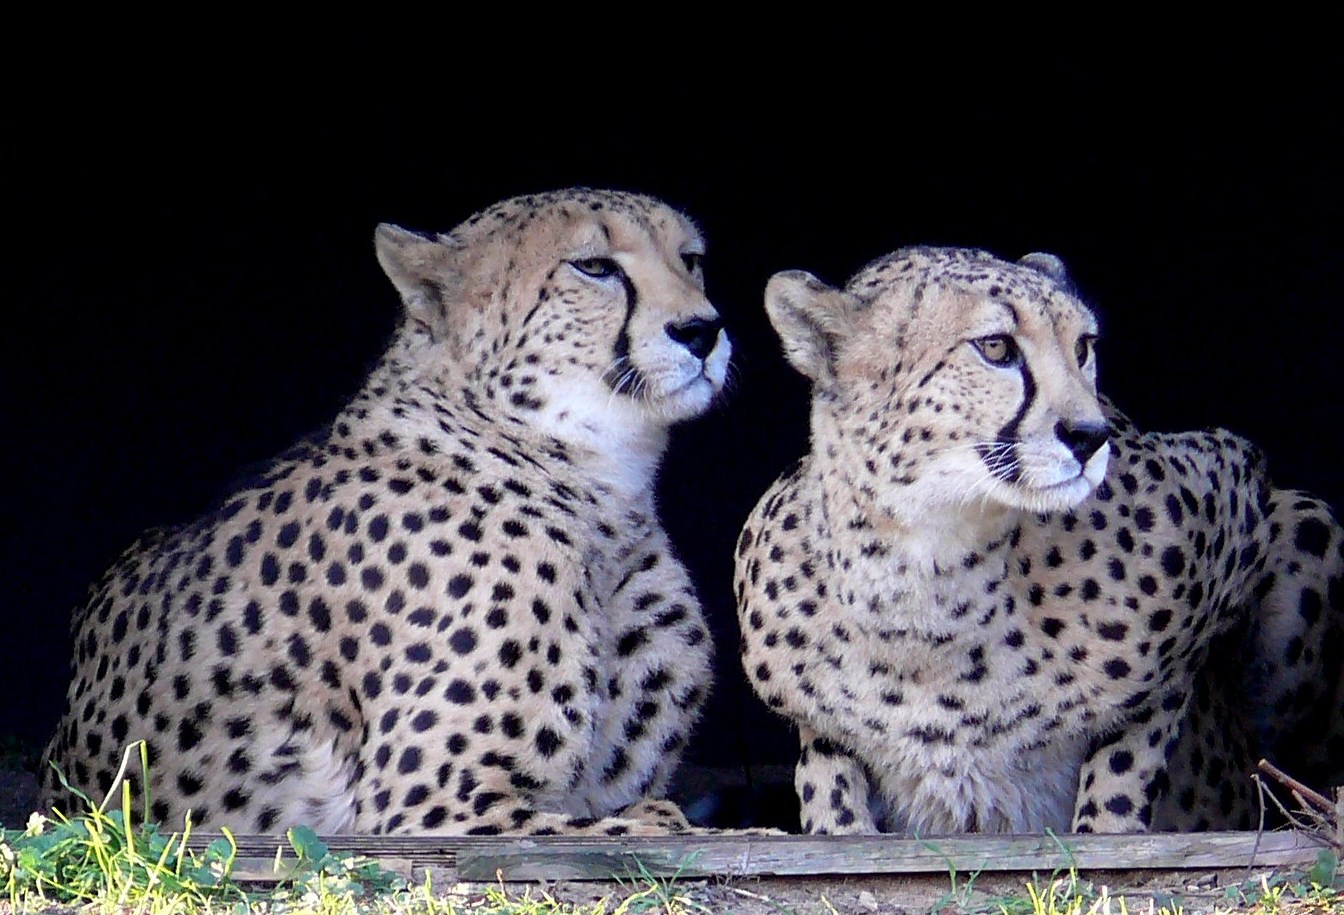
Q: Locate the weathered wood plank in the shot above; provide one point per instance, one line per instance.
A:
(853, 855)
(557, 857)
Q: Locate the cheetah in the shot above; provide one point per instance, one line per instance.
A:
(454, 609)
(986, 600)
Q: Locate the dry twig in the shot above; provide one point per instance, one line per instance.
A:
(1326, 817)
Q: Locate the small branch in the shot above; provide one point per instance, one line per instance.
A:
(1317, 800)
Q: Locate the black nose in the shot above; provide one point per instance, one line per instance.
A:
(1082, 439)
(697, 335)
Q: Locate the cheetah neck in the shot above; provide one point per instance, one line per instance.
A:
(621, 453)
(919, 570)
(618, 454)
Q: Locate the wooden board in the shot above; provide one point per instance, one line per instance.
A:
(571, 858)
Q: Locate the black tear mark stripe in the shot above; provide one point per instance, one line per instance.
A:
(622, 377)
(1012, 471)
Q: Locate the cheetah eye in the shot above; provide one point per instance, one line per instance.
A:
(1084, 348)
(693, 261)
(597, 267)
(998, 349)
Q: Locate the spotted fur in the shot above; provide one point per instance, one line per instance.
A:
(985, 599)
(454, 609)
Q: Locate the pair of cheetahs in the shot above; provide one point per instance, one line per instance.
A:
(986, 601)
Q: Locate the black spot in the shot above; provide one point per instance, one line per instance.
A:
(371, 577)
(1173, 561)
(228, 641)
(298, 650)
(460, 692)
(459, 585)
(1120, 805)
(1117, 668)
(270, 569)
(188, 735)
(631, 642)
(288, 536)
(548, 742)
(320, 614)
(1312, 536)
(1113, 632)
(463, 641)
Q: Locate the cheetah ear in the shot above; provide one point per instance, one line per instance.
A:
(423, 269)
(811, 319)
(1048, 264)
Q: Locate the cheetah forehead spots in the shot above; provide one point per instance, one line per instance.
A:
(569, 219)
(937, 292)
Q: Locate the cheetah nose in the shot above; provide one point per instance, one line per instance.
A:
(1082, 439)
(696, 334)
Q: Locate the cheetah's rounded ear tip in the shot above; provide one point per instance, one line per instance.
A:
(792, 279)
(393, 234)
(1049, 264)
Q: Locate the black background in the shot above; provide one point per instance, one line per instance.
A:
(189, 282)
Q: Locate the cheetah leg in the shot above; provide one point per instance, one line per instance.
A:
(1126, 775)
(492, 805)
(656, 690)
(1211, 767)
(1298, 642)
(833, 788)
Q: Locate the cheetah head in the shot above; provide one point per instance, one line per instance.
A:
(945, 376)
(581, 312)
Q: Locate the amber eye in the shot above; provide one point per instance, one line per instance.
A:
(597, 267)
(998, 349)
(692, 260)
(1083, 349)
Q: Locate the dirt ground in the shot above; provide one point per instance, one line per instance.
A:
(1189, 893)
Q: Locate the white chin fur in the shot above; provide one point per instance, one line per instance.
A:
(686, 387)
(1035, 494)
